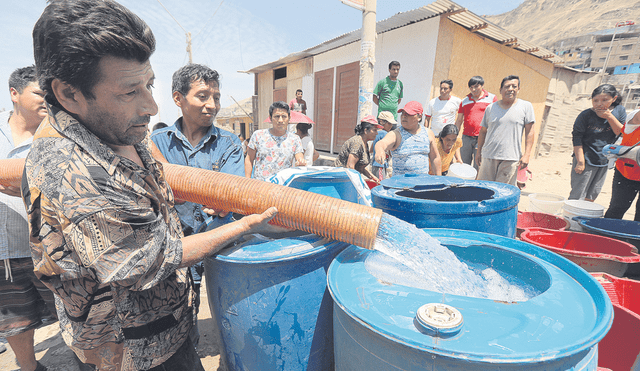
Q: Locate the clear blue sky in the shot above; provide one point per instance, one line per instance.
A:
(242, 34)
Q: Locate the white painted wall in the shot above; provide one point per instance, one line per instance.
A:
(414, 46)
(337, 57)
(307, 95)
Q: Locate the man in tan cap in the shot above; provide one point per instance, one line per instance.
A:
(386, 119)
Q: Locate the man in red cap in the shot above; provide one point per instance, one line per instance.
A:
(413, 146)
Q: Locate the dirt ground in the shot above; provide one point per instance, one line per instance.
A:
(550, 175)
(52, 352)
(553, 175)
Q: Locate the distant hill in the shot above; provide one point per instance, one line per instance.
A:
(543, 22)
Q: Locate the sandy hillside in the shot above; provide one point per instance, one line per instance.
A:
(544, 22)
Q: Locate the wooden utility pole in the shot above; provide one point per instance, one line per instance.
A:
(185, 31)
(367, 54)
(367, 59)
(189, 47)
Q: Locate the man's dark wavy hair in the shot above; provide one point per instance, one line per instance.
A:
(22, 77)
(186, 75)
(72, 36)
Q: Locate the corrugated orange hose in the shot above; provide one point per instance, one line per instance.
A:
(313, 213)
(11, 172)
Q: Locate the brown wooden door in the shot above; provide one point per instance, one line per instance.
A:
(280, 95)
(323, 109)
(346, 114)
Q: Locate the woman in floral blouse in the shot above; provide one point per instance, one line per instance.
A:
(275, 149)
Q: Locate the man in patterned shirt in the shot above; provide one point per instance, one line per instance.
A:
(24, 300)
(105, 236)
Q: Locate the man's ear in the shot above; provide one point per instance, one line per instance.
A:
(14, 95)
(177, 98)
(71, 99)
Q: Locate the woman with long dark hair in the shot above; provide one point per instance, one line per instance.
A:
(355, 151)
(593, 129)
(448, 147)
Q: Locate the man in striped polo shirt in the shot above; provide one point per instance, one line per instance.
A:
(470, 114)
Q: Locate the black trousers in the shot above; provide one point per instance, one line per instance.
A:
(623, 192)
(184, 359)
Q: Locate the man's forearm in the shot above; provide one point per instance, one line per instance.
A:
(481, 138)
(201, 245)
(528, 146)
(528, 143)
(459, 120)
(198, 246)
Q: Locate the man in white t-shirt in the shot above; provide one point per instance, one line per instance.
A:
(442, 110)
(500, 153)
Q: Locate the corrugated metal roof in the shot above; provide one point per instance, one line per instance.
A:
(483, 27)
(453, 11)
(617, 30)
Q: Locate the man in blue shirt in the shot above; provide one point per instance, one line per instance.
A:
(194, 141)
(24, 300)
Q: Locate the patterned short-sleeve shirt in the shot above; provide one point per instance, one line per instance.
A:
(105, 239)
(353, 146)
(273, 153)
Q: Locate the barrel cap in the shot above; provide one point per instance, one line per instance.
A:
(439, 318)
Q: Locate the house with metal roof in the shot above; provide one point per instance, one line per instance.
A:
(439, 41)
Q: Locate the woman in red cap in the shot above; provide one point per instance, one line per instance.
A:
(413, 146)
(355, 151)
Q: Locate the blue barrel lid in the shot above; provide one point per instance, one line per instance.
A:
(573, 314)
(389, 194)
(259, 249)
(325, 175)
(616, 228)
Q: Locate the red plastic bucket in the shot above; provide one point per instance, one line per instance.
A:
(619, 349)
(371, 184)
(591, 252)
(531, 219)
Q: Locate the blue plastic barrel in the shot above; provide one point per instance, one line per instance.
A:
(625, 230)
(332, 184)
(271, 305)
(377, 325)
(446, 202)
